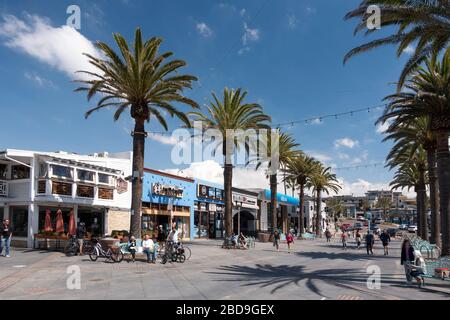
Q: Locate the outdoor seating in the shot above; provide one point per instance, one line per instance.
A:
(309, 236)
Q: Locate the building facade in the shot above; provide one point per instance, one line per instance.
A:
(93, 186)
(167, 200)
(209, 208)
(245, 211)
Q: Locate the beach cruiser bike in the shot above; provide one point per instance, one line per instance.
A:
(115, 255)
(173, 252)
(73, 247)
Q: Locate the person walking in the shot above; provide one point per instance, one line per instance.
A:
(6, 232)
(276, 240)
(81, 233)
(344, 237)
(385, 239)
(370, 240)
(328, 235)
(358, 239)
(406, 259)
(289, 240)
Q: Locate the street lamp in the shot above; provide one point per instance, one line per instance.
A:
(239, 216)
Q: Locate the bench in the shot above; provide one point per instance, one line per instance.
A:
(139, 249)
(310, 236)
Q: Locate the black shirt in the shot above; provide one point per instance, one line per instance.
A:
(81, 231)
(6, 231)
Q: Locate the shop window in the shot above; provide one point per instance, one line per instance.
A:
(3, 171)
(19, 221)
(62, 188)
(84, 191)
(61, 171)
(20, 172)
(85, 175)
(94, 221)
(106, 193)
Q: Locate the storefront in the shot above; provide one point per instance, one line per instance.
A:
(208, 211)
(245, 212)
(167, 200)
(286, 211)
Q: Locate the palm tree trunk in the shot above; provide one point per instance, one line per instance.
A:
(421, 191)
(138, 166)
(273, 200)
(228, 180)
(443, 172)
(301, 212)
(434, 199)
(418, 208)
(318, 215)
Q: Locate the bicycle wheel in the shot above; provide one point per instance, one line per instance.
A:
(117, 256)
(164, 259)
(70, 249)
(187, 253)
(181, 258)
(94, 254)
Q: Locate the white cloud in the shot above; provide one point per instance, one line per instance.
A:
(381, 128)
(316, 121)
(243, 50)
(204, 30)
(292, 21)
(361, 186)
(361, 159)
(39, 80)
(60, 47)
(346, 142)
(165, 139)
(319, 156)
(250, 35)
(409, 50)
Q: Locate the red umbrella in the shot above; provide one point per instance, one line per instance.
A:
(72, 227)
(59, 222)
(48, 222)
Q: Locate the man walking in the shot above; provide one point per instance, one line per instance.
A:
(5, 235)
(370, 240)
(81, 232)
(385, 239)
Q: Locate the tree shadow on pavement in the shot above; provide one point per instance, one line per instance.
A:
(344, 255)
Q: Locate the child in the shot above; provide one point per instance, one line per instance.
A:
(156, 248)
(132, 248)
(289, 240)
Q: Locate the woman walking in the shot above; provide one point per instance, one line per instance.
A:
(407, 258)
(358, 239)
(344, 240)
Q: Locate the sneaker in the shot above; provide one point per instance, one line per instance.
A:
(8, 256)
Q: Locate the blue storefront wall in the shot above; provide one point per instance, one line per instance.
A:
(189, 193)
(283, 198)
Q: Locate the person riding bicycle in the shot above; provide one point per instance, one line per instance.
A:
(172, 238)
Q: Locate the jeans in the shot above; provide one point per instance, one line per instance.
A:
(407, 271)
(7, 241)
(369, 249)
(151, 255)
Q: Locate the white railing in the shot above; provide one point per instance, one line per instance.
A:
(3, 188)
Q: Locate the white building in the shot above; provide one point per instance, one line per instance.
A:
(310, 212)
(93, 186)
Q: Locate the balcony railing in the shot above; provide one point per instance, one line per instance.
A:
(3, 188)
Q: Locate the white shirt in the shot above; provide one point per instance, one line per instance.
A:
(173, 236)
(148, 244)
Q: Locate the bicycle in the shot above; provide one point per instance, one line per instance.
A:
(173, 253)
(73, 246)
(116, 255)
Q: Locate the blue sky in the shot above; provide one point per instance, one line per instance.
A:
(286, 53)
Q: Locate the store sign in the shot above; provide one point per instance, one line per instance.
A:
(166, 190)
(212, 207)
(122, 186)
(244, 199)
(209, 192)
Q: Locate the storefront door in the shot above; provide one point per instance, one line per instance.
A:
(94, 221)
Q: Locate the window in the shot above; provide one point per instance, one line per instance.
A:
(105, 193)
(42, 186)
(84, 191)
(85, 175)
(104, 178)
(62, 188)
(3, 171)
(43, 170)
(20, 172)
(60, 171)
(19, 221)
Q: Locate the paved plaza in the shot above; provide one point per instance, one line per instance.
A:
(314, 270)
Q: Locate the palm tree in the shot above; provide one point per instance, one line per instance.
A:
(231, 114)
(418, 133)
(424, 22)
(322, 180)
(300, 169)
(403, 154)
(428, 95)
(285, 151)
(385, 204)
(408, 176)
(142, 81)
(336, 207)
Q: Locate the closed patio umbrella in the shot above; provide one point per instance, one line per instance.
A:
(59, 222)
(48, 222)
(72, 227)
